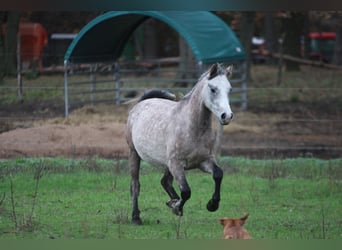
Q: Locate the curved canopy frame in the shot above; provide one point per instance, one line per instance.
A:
(104, 38)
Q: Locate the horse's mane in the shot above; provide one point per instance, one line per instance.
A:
(157, 93)
(163, 94)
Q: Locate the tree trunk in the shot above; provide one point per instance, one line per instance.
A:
(150, 39)
(305, 49)
(2, 48)
(185, 68)
(246, 32)
(337, 58)
(11, 42)
(271, 37)
(293, 28)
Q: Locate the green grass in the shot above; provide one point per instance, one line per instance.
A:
(87, 199)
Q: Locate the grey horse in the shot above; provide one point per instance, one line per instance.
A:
(178, 136)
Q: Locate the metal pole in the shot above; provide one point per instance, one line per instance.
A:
(92, 83)
(19, 78)
(244, 86)
(199, 68)
(117, 82)
(66, 98)
(280, 62)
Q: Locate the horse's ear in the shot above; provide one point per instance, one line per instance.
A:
(213, 71)
(229, 70)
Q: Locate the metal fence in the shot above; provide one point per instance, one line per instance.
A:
(119, 82)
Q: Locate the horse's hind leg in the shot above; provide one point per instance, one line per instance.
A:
(166, 182)
(134, 163)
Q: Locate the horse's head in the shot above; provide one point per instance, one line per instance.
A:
(215, 92)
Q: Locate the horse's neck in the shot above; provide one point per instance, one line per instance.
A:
(200, 115)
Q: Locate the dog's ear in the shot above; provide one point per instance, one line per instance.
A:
(225, 221)
(222, 221)
(243, 219)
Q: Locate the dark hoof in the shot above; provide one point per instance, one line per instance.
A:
(213, 205)
(177, 211)
(136, 221)
(172, 203)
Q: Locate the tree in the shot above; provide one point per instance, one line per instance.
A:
(186, 63)
(247, 26)
(293, 30)
(8, 44)
(2, 59)
(271, 36)
(150, 39)
(337, 58)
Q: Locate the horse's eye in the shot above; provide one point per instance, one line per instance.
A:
(213, 89)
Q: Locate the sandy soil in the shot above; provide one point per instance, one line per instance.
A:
(91, 132)
(104, 140)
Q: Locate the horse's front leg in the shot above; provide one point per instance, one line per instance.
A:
(217, 173)
(177, 171)
(166, 182)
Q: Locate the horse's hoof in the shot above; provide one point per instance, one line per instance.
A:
(177, 211)
(136, 221)
(172, 203)
(212, 205)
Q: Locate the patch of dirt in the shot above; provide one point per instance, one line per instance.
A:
(105, 140)
(99, 131)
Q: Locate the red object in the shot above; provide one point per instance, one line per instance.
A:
(322, 35)
(34, 38)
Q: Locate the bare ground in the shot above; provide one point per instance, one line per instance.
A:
(99, 131)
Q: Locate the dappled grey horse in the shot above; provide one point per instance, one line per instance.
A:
(178, 136)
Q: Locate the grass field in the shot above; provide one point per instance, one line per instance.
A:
(57, 198)
(42, 198)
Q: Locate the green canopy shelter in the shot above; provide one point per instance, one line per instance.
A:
(104, 38)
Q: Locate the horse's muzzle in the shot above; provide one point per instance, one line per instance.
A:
(225, 118)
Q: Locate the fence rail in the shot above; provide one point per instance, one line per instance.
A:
(123, 81)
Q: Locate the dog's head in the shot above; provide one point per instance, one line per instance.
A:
(233, 228)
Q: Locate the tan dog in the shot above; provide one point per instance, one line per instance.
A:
(233, 228)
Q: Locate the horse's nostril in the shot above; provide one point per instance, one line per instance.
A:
(224, 116)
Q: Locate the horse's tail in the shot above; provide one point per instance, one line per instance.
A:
(157, 93)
